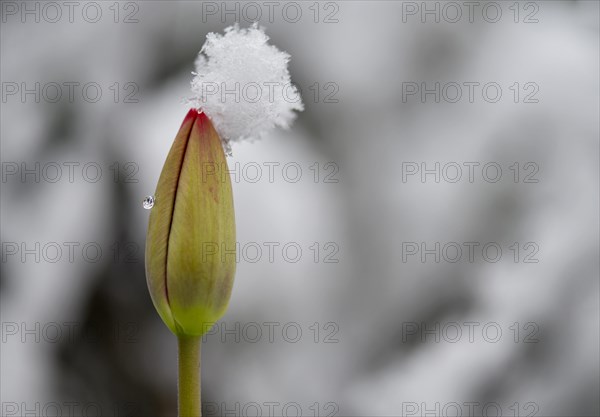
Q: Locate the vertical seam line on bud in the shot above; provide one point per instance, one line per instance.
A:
(187, 142)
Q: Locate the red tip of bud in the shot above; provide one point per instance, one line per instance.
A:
(191, 116)
(196, 116)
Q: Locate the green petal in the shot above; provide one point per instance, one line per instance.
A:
(160, 222)
(199, 273)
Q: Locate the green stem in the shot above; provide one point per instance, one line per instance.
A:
(189, 402)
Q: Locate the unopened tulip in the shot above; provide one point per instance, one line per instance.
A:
(191, 224)
(190, 246)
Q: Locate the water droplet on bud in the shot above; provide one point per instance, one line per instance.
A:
(148, 202)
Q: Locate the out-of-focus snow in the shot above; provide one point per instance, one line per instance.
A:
(368, 133)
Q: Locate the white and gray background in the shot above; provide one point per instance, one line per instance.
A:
(402, 324)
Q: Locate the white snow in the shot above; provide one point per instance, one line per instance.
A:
(243, 84)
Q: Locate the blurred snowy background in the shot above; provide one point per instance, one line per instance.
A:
(398, 325)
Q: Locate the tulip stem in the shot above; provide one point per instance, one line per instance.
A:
(189, 403)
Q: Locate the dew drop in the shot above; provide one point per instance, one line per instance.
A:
(148, 202)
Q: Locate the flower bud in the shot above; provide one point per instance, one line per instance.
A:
(190, 246)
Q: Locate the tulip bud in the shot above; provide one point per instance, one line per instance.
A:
(193, 211)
